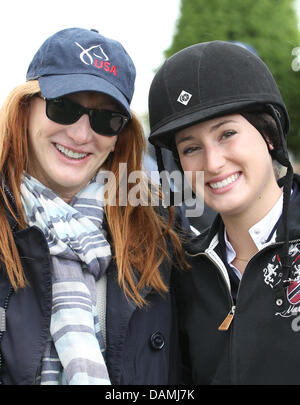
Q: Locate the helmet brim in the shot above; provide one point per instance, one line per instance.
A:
(162, 136)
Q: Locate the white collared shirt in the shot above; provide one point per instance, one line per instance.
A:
(259, 233)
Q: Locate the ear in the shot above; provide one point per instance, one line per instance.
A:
(269, 143)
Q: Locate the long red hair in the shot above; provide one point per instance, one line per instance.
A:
(139, 234)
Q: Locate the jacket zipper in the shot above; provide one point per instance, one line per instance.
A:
(3, 329)
(225, 325)
(12, 198)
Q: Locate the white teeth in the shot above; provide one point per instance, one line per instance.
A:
(69, 153)
(224, 182)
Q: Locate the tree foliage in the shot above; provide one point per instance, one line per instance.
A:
(270, 26)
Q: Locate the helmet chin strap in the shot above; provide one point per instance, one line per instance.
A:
(282, 157)
(168, 194)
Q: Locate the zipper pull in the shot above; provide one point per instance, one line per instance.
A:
(227, 321)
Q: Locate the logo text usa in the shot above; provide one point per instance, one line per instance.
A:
(100, 64)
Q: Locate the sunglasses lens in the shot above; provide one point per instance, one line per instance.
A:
(106, 122)
(62, 111)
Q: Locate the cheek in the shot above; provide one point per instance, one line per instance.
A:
(105, 144)
(257, 154)
(257, 166)
(39, 137)
(190, 163)
(40, 128)
(37, 117)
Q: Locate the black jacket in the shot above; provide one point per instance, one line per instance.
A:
(262, 343)
(138, 340)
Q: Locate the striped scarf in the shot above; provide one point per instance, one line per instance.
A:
(80, 255)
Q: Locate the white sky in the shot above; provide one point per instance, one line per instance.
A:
(144, 27)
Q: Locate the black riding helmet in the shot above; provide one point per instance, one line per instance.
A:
(208, 80)
(212, 79)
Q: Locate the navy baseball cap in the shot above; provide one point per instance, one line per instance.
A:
(77, 59)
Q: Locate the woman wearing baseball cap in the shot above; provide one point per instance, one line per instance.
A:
(218, 108)
(84, 277)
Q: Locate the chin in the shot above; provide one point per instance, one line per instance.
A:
(227, 208)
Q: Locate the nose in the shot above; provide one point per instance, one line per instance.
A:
(80, 131)
(214, 159)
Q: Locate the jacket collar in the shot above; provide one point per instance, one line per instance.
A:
(203, 241)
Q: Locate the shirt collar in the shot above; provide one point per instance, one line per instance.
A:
(259, 232)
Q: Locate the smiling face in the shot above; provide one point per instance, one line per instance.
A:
(237, 166)
(65, 157)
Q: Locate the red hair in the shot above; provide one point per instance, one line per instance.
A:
(139, 234)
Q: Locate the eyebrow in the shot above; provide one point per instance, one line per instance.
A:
(185, 138)
(211, 129)
(219, 124)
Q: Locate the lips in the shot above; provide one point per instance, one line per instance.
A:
(69, 153)
(223, 183)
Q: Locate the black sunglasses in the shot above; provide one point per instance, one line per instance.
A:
(105, 122)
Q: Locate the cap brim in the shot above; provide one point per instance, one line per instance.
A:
(59, 85)
(162, 136)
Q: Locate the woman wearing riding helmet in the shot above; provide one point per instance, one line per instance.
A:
(218, 108)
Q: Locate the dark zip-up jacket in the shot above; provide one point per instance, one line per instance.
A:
(138, 341)
(261, 345)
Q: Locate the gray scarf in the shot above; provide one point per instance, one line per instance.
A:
(80, 255)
